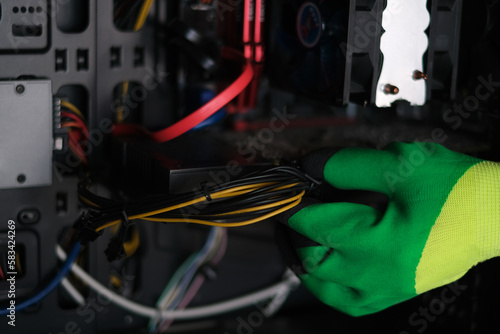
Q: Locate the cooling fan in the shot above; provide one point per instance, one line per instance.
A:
(310, 38)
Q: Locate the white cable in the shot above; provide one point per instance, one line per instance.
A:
(276, 303)
(73, 292)
(281, 296)
(289, 283)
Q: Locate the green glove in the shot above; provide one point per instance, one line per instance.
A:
(443, 217)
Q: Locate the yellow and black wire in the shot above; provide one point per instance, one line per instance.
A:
(130, 15)
(241, 202)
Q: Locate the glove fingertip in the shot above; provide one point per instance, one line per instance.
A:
(287, 250)
(285, 216)
(288, 242)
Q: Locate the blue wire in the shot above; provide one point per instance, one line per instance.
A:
(195, 98)
(214, 119)
(52, 285)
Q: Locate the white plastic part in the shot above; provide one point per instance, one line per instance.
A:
(290, 282)
(403, 45)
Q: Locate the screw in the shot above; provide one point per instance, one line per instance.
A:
(29, 216)
(417, 75)
(21, 178)
(20, 89)
(390, 89)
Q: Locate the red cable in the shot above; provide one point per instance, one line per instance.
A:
(258, 22)
(254, 50)
(246, 22)
(2, 276)
(198, 116)
(259, 28)
(77, 120)
(258, 52)
(75, 147)
(247, 32)
(247, 43)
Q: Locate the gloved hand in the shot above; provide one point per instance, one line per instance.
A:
(443, 217)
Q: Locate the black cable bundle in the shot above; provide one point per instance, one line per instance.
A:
(244, 201)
